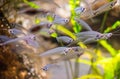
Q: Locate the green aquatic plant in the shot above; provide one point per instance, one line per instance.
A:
(31, 4)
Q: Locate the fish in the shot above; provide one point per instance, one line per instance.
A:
(90, 36)
(92, 13)
(15, 31)
(4, 38)
(84, 24)
(30, 40)
(36, 28)
(60, 20)
(64, 39)
(49, 66)
(76, 52)
(105, 7)
(79, 10)
(57, 50)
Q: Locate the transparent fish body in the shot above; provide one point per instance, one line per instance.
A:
(44, 32)
(36, 28)
(64, 39)
(88, 14)
(60, 20)
(30, 40)
(105, 7)
(76, 52)
(97, 37)
(49, 66)
(84, 24)
(58, 50)
(15, 31)
(85, 40)
(45, 24)
(89, 40)
(4, 38)
(87, 33)
(12, 40)
(89, 7)
(79, 10)
(90, 37)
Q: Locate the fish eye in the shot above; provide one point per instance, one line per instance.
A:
(34, 38)
(45, 69)
(70, 41)
(109, 34)
(49, 25)
(66, 50)
(83, 9)
(97, 36)
(66, 20)
(11, 31)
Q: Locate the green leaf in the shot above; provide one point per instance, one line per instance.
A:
(73, 5)
(65, 31)
(112, 51)
(31, 4)
(91, 76)
(88, 62)
(37, 21)
(54, 35)
(108, 66)
(76, 26)
(114, 26)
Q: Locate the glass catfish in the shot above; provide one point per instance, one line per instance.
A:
(79, 10)
(16, 30)
(57, 50)
(49, 66)
(92, 13)
(60, 20)
(84, 24)
(64, 39)
(90, 36)
(29, 39)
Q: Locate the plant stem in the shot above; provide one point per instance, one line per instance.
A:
(103, 22)
(76, 69)
(66, 68)
(70, 67)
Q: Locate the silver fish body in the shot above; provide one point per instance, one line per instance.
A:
(49, 66)
(90, 37)
(30, 40)
(64, 39)
(60, 20)
(79, 10)
(57, 50)
(4, 38)
(15, 31)
(84, 24)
